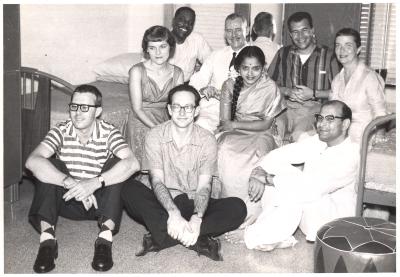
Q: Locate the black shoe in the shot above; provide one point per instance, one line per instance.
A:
(209, 247)
(48, 252)
(147, 246)
(102, 259)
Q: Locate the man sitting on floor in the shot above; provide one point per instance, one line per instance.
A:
(181, 157)
(324, 190)
(83, 181)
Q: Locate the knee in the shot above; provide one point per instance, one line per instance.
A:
(237, 208)
(130, 190)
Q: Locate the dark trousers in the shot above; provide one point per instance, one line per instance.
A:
(48, 203)
(221, 216)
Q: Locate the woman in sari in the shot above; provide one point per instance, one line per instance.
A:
(249, 106)
(149, 84)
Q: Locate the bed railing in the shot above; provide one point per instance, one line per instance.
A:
(366, 195)
(36, 106)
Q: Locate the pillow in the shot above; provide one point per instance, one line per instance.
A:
(116, 69)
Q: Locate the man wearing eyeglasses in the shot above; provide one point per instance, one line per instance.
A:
(323, 190)
(84, 179)
(304, 72)
(182, 159)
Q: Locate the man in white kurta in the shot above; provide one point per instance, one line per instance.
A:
(190, 47)
(324, 190)
(216, 70)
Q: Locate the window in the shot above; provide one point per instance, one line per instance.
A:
(378, 37)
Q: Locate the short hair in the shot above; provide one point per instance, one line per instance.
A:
(89, 89)
(185, 9)
(247, 52)
(262, 22)
(299, 16)
(158, 33)
(350, 32)
(184, 87)
(234, 16)
(345, 110)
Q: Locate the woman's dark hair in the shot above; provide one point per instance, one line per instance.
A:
(158, 33)
(247, 52)
(89, 89)
(350, 32)
(184, 87)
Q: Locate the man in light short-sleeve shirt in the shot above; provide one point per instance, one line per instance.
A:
(84, 180)
(182, 159)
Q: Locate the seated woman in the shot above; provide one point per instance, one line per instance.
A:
(249, 105)
(357, 85)
(149, 84)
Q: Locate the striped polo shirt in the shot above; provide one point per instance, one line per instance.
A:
(316, 73)
(85, 161)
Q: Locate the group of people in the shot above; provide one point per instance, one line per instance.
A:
(276, 127)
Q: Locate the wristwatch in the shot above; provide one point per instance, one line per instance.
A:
(101, 179)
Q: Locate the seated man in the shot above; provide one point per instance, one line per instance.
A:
(83, 181)
(191, 47)
(324, 190)
(181, 157)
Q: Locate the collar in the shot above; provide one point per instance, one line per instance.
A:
(237, 52)
(263, 39)
(167, 134)
(71, 131)
(293, 49)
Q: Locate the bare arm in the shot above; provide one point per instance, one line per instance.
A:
(161, 191)
(177, 226)
(136, 96)
(202, 195)
(123, 169)
(42, 168)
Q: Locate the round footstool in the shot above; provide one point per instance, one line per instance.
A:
(356, 244)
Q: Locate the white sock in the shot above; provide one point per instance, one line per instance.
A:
(107, 235)
(44, 235)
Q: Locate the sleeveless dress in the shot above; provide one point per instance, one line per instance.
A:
(154, 105)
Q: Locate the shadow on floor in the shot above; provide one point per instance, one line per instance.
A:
(76, 247)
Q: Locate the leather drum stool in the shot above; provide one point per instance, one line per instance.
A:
(356, 244)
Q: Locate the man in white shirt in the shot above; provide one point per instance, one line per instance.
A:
(263, 34)
(323, 190)
(190, 47)
(217, 68)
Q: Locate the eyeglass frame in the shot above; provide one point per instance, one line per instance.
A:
(192, 108)
(304, 31)
(79, 107)
(329, 118)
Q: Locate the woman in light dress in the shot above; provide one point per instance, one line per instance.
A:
(149, 84)
(357, 85)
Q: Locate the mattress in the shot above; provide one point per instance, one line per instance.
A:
(381, 165)
(116, 103)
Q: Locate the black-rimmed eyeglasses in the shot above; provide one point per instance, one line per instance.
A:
(329, 118)
(84, 108)
(177, 108)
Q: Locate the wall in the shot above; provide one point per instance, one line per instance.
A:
(69, 40)
(277, 12)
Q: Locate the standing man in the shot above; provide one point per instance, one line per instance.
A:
(217, 68)
(263, 35)
(190, 47)
(84, 180)
(304, 72)
(324, 190)
(181, 158)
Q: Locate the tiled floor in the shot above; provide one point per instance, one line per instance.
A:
(76, 239)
